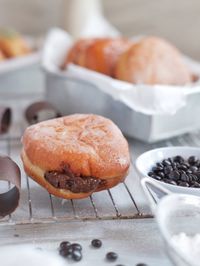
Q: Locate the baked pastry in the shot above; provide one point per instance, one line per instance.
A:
(98, 54)
(152, 60)
(1, 56)
(12, 44)
(75, 155)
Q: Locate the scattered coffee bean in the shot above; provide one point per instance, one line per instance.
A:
(96, 243)
(111, 256)
(66, 252)
(76, 246)
(76, 255)
(64, 244)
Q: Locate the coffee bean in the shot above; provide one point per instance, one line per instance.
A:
(156, 177)
(161, 174)
(76, 255)
(192, 160)
(178, 159)
(195, 184)
(197, 174)
(111, 256)
(193, 169)
(168, 170)
(166, 163)
(185, 178)
(183, 184)
(171, 182)
(66, 252)
(141, 264)
(174, 175)
(159, 165)
(76, 246)
(188, 171)
(183, 167)
(193, 177)
(154, 169)
(64, 244)
(96, 243)
(150, 173)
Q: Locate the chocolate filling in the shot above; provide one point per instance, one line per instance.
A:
(67, 180)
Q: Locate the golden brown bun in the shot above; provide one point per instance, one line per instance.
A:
(99, 55)
(89, 145)
(152, 60)
(1, 56)
(12, 44)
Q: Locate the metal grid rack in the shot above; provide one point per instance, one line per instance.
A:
(125, 201)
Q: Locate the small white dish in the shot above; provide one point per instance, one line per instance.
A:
(147, 160)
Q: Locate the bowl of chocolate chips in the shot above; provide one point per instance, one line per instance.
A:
(176, 168)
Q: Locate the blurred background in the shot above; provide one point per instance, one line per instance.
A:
(176, 20)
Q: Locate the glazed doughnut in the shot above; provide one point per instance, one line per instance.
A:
(99, 55)
(76, 155)
(152, 60)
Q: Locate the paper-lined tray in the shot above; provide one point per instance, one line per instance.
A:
(147, 112)
(22, 74)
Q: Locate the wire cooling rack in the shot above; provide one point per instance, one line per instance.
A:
(125, 201)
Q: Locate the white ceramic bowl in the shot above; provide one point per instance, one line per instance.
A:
(147, 160)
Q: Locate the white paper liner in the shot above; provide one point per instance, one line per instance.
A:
(146, 99)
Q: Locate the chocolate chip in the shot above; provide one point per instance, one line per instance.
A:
(76, 255)
(96, 243)
(111, 256)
